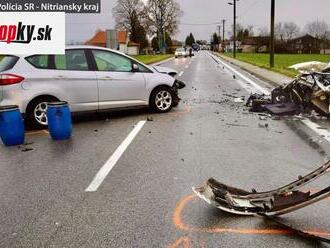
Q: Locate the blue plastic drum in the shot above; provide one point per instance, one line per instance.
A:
(12, 130)
(59, 120)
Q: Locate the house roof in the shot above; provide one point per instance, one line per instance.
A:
(99, 38)
(305, 37)
(255, 40)
(122, 36)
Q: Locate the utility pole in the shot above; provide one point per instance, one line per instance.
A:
(219, 35)
(234, 31)
(223, 35)
(219, 30)
(272, 34)
(234, 51)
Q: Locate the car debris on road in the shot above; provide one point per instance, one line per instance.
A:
(310, 90)
(272, 203)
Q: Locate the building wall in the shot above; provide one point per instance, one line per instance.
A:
(123, 48)
(132, 50)
(325, 51)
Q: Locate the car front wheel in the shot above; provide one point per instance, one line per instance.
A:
(162, 99)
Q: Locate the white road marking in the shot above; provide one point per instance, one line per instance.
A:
(181, 73)
(317, 129)
(310, 124)
(107, 167)
(255, 85)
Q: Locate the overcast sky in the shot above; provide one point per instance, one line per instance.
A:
(81, 27)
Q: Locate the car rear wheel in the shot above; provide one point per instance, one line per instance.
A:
(161, 99)
(36, 113)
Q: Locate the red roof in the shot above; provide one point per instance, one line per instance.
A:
(99, 39)
(122, 37)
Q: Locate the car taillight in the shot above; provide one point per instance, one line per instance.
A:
(8, 79)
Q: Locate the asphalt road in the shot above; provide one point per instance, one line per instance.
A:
(146, 199)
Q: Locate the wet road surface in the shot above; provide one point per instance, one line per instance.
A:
(146, 199)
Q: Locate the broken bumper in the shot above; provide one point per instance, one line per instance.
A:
(176, 86)
(275, 202)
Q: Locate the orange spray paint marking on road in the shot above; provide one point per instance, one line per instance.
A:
(179, 224)
(183, 242)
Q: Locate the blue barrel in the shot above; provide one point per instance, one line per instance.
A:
(12, 130)
(59, 120)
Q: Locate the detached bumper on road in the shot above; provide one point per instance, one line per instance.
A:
(276, 202)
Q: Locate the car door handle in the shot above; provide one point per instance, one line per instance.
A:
(59, 77)
(106, 78)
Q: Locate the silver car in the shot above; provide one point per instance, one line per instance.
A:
(88, 78)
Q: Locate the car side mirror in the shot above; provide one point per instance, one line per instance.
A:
(135, 68)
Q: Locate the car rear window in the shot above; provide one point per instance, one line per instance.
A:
(7, 62)
(39, 61)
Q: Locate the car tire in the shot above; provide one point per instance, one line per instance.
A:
(36, 112)
(162, 99)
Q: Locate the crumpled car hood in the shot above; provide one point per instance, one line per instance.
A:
(311, 66)
(166, 70)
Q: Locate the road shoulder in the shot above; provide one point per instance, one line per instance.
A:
(271, 77)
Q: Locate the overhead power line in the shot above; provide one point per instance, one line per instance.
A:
(200, 24)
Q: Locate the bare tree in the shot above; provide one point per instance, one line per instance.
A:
(125, 13)
(317, 29)
(264, 31)
(279, 31)
(163, 16)
(286, 31)
(291, 30)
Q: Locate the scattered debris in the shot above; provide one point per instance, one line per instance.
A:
(228, 95)
(236, 125)
(191, 133)
(307, 92)
(239, 99)
(182, 159)
(234, 77)
(150, 119)
(95, 130)
(276, 202)
(263, 125)
(27, 149)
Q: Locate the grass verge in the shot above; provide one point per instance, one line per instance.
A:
(150, 59)
(282, 61)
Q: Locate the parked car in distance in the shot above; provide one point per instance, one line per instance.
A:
(89, 78)
(181, 52)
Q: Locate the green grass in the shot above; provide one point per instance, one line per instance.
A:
(150, 59)
(282, 61)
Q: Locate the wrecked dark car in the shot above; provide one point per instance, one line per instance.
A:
(308, 91)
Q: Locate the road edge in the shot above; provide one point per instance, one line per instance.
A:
(247, 67)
